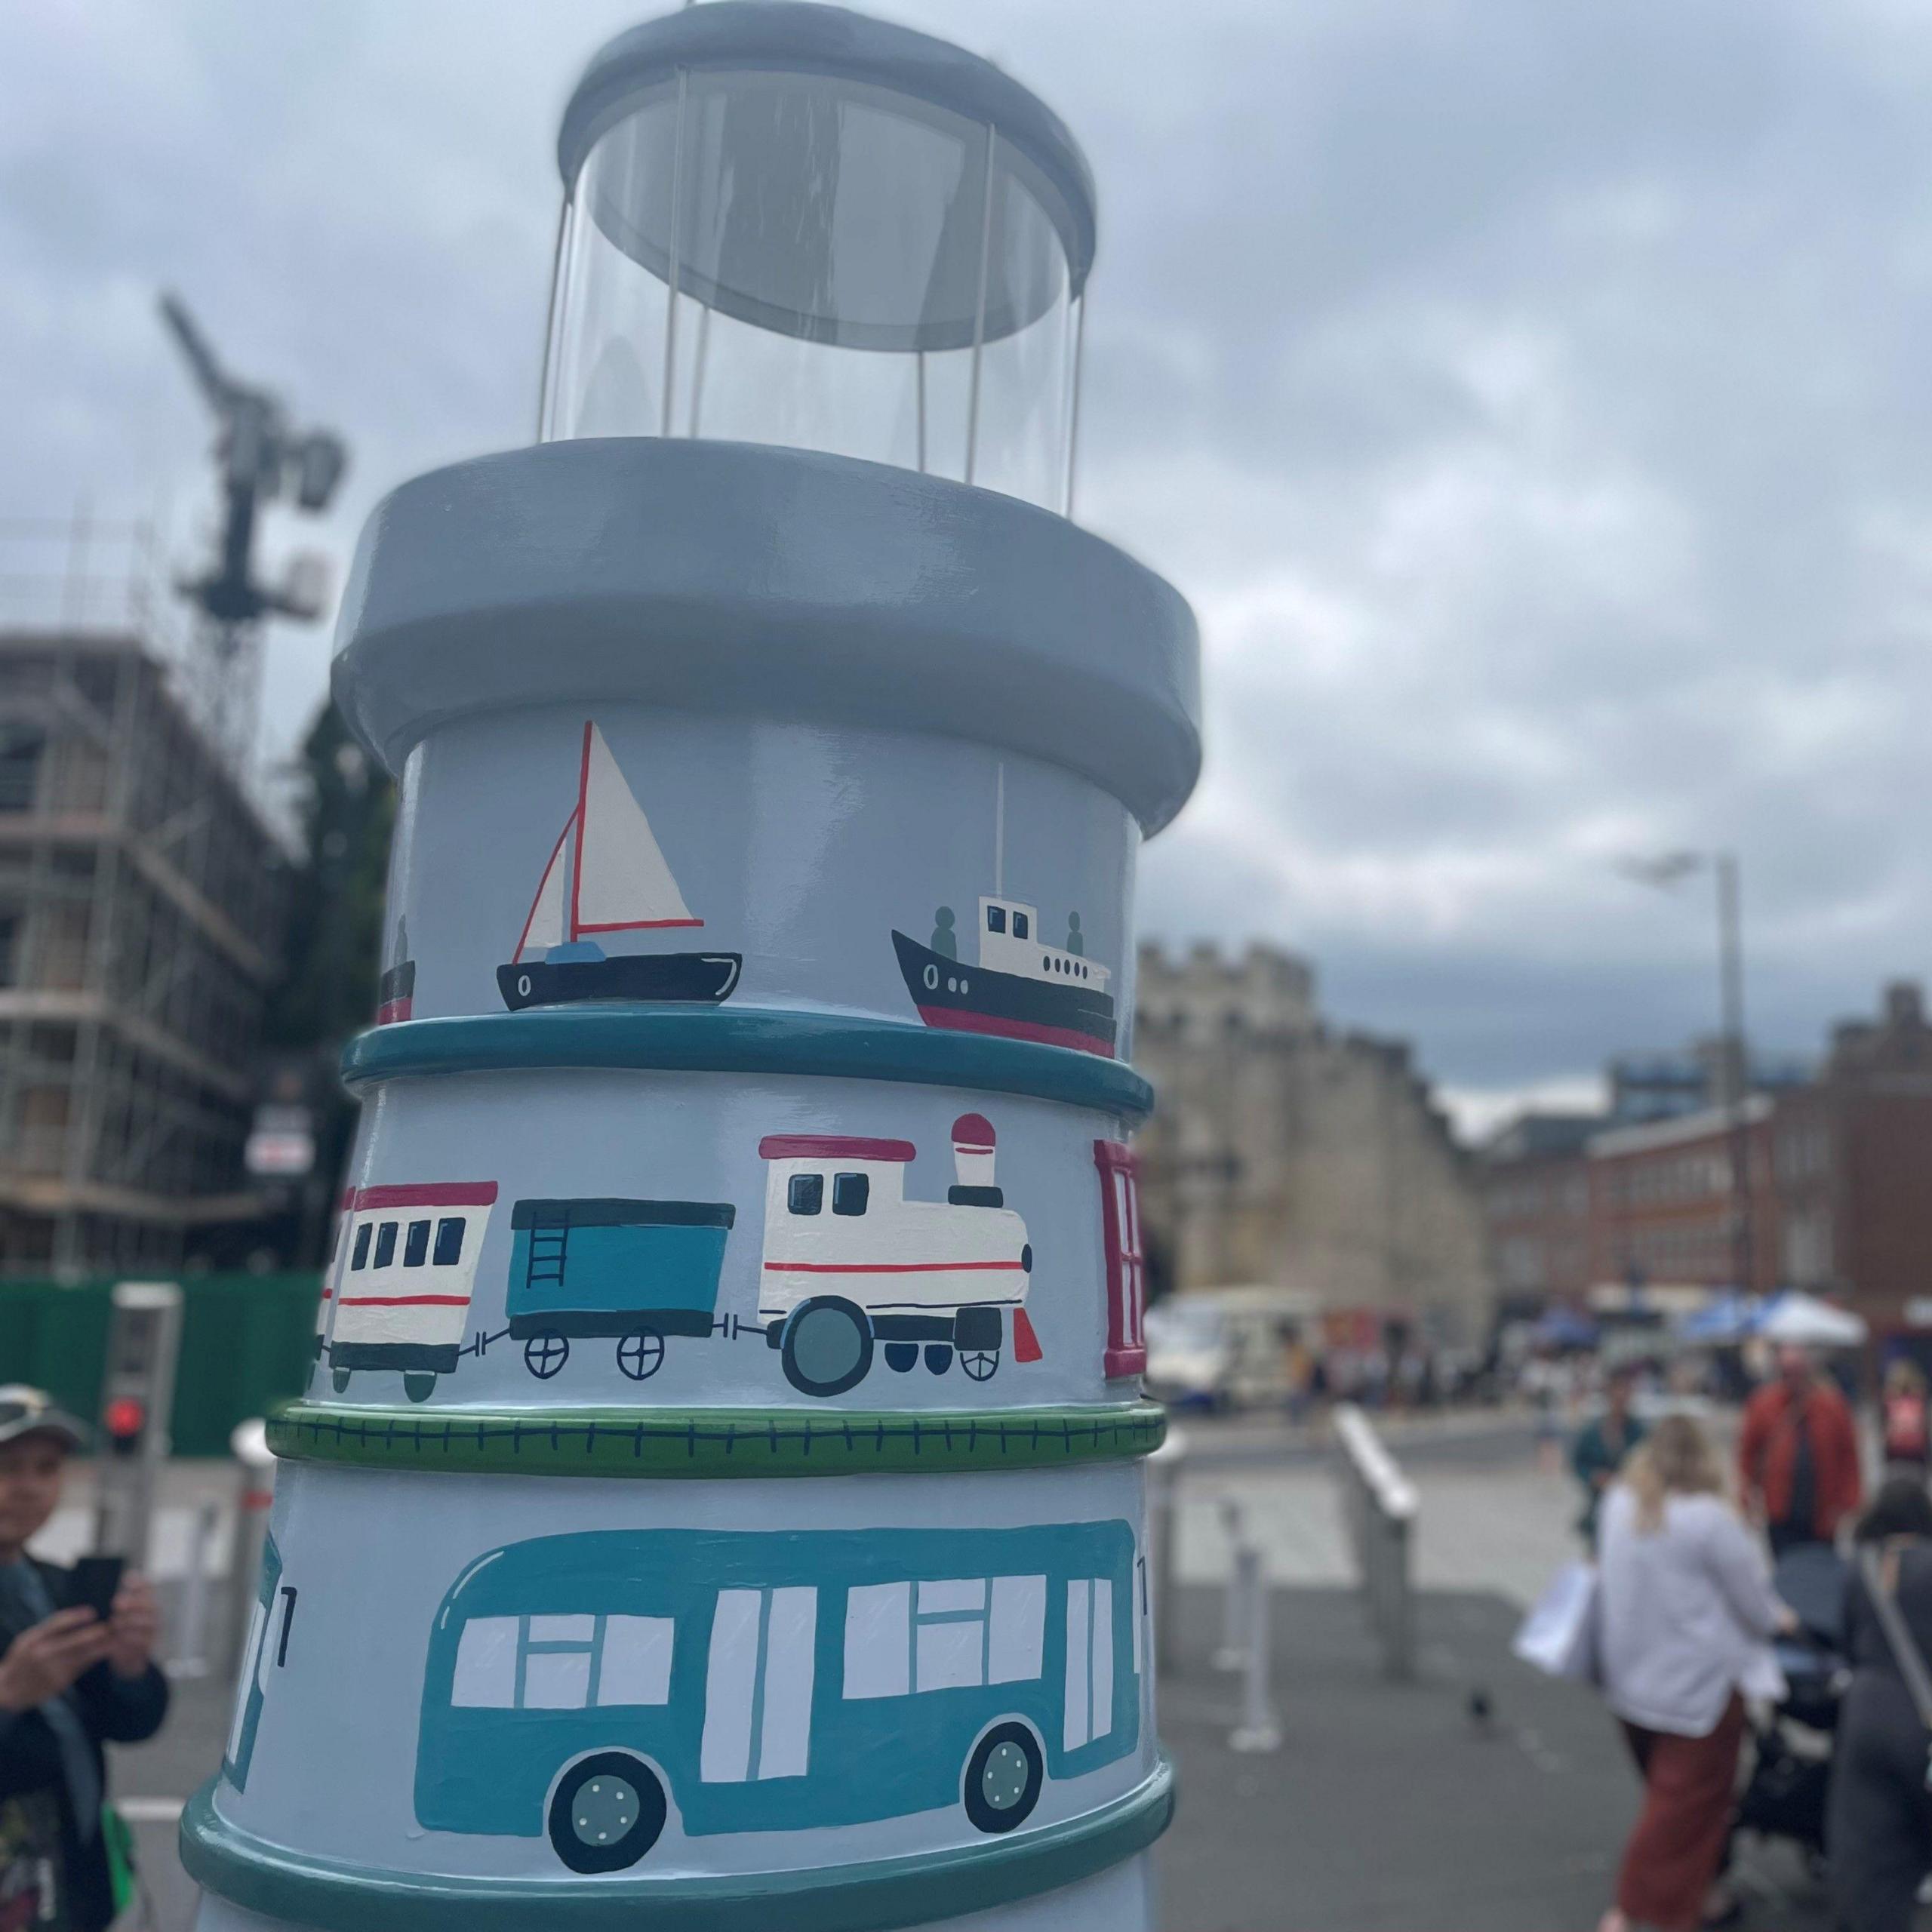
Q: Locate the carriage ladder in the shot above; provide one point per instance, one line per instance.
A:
(549, 1242)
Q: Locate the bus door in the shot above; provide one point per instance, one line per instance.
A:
(1089, 1660)
(758, 1689)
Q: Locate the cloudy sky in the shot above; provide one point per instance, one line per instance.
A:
(1535, 400)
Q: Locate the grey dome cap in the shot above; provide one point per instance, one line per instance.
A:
(800, 37)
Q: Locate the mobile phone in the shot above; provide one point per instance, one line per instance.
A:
(95, 1580)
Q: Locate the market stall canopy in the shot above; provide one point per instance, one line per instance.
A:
(1794, 1316)
(1729, 1317)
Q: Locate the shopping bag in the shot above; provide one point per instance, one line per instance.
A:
(1559, 1635)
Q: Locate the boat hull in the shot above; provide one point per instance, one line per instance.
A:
(974, 999)
(705, 978)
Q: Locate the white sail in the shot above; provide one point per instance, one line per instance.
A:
(622, 882)
(544, 928)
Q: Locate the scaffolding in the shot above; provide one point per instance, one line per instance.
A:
(142, 899)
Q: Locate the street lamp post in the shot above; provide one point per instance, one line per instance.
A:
(1733, 1074)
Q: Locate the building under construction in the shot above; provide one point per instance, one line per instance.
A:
(142, 898)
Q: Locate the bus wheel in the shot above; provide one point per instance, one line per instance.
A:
(418, 1388)
(641, 1354)
(607, 1813)
(901, 1357)
(980, 1363)
(1002, 1778)
(545, 1353)
(339, 1380)
(828, 1346)
(939, 1357)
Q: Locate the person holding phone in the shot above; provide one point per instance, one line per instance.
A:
(76, 1672)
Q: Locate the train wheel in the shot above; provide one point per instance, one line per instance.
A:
(1002, 1778)
(939, 1357)
(980, 1363)
(641, 1354)
(607, 1812)
(827, 1346)
(418, 1388)
(339, 1380)
(901, 1357)
(545, 1354)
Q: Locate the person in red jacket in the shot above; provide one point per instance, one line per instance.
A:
(1797, 1456)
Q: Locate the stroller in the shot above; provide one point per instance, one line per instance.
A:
(1791, 1770)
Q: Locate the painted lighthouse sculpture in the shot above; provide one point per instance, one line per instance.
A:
(718, 1499)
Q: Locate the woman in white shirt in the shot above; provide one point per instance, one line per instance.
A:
(1686, 1612)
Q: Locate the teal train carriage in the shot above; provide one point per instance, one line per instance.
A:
(580, 1686)
(635, 1270)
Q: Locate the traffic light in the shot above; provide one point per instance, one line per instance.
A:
(142, 1341)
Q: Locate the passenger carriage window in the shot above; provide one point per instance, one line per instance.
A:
(449, 1241)
(850, 1193)
(386, 1244)
(995, 919)
(360, 1258)
(416, 1244)
(1020, 925)
(806, 1196)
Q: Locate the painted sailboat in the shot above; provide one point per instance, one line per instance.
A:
(606, 875)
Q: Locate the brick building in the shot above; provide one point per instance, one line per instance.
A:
(1839, 1185)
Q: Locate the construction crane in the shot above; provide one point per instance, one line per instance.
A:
(262, 457)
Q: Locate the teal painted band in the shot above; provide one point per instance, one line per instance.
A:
(334, 1897)
(758, 1040)
(712, 1443)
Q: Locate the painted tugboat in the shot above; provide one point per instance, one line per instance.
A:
(606, 875)
(395, 990)
(1021, 986)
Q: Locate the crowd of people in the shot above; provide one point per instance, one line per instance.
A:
(1688, 1607)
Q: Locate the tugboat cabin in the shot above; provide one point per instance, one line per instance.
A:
(1011, 941)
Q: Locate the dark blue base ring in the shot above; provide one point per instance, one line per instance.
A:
(873, 1897)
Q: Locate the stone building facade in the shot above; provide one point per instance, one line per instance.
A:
(1282, 1152)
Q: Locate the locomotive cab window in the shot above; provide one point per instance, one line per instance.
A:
(360, 1258)
(806, 1195)
(850, 1193)
(386, 1244)
(416, 1244)
(449, 1241)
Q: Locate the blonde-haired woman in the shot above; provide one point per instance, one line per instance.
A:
(1687, 1608)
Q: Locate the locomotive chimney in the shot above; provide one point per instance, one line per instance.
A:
(973, 1152)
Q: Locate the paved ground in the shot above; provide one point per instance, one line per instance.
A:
(1388, 1808)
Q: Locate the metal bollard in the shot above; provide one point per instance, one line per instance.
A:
(1259, 1730)
(1232, 1653)
(1164, 1472)
(254, 1492)
(191, 1646)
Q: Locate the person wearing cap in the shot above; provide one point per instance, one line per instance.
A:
(69, 1682)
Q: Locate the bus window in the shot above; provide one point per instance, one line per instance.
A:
(362, 1234)
(386, 1244)
(806, 1195)
(1089, 1660)
(556, 1663)
(636, 1666)
(416, 1244)
(486, 1656)
(954, 1638)
(449, 1241)
(762, 1653)
(850, 1193)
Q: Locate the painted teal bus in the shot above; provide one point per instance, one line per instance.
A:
(577, 1686)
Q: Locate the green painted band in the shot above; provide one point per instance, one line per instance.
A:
(758, 1040)
(334, 1897)
(711, 1442)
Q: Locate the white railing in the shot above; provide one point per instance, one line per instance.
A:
(1379, 1510)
